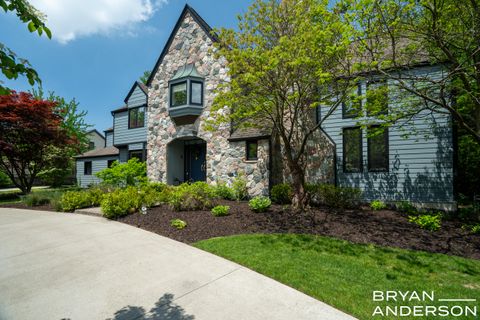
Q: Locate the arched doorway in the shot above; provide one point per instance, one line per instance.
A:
(186, 160)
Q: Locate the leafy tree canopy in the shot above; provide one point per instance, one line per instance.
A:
(282, 53)
(395, 36)
(28, 129)
(11, 65)
(145, 76)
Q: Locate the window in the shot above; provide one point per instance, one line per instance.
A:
(352, 107)
(251, 150)
(136, 117)
(377, 97)
(91, 145)
(196, 92)
(178, 94)
(87, 168)
(110, 163)
(352, 149)
(377, 149)
(136, 154)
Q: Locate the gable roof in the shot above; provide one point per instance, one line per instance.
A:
(201, 23)
(121, 109)
(103, 152)
(95, 131)
(140, 85)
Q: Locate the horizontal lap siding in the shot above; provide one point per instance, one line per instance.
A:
(109, 139)
(421, 164)
(98, 164)
(123, 152)
(123, 135)
(137, 98)
(135, 146)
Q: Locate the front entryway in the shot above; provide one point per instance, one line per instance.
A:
(195, 166)
(186, 160)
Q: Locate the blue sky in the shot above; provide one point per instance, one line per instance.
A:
(99, 50)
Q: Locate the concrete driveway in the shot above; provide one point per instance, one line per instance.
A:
(71, 266)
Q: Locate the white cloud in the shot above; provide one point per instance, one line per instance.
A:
(70, 19)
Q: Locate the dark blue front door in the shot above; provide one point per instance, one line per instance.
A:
(195, 165)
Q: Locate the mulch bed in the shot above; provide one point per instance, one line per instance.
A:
(384, 228)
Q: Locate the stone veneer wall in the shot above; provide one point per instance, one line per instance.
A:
(320, 166)
(224, 159)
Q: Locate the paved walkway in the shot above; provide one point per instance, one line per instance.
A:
(71, 266)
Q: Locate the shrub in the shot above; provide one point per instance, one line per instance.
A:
(239, 186)
(95, 196)
(10, 196)
(4, 180)
(220, 211)
(282, 193)
(224, 192)
(152, 194)
(121, 175)
(36, 199)
(474, 229)
(157, 186)
(334, 197)
(470, 213)
(121, 202)
(177, 223)
(377, 205)
(427, 221)
(166, 195)
(189, 197)
(72, 200)
(407, 207)
(260, 204)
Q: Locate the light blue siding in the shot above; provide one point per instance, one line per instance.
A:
(420, 165)
(98, 164)
(123, 154)
(123, 135)
(135, 146)
(137, 98)
(109, 139)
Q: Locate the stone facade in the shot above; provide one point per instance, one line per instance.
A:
(224, 159)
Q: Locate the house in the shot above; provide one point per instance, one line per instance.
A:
(163, 123)
(126, 139)
(95, 140)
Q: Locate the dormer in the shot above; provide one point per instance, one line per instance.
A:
(186, 94)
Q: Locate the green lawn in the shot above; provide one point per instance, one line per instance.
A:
(345, 275)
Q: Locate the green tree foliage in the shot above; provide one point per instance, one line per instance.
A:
(468, 166)
(59, 159)
(11, 65)
(393, 36)
(4, 179)
(73, 119)
(281, 54)
(131, 173)
(396, 35)
(145, 76)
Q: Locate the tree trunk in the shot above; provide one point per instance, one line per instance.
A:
(300, 197)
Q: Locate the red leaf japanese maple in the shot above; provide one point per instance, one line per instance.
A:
(27, 128)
